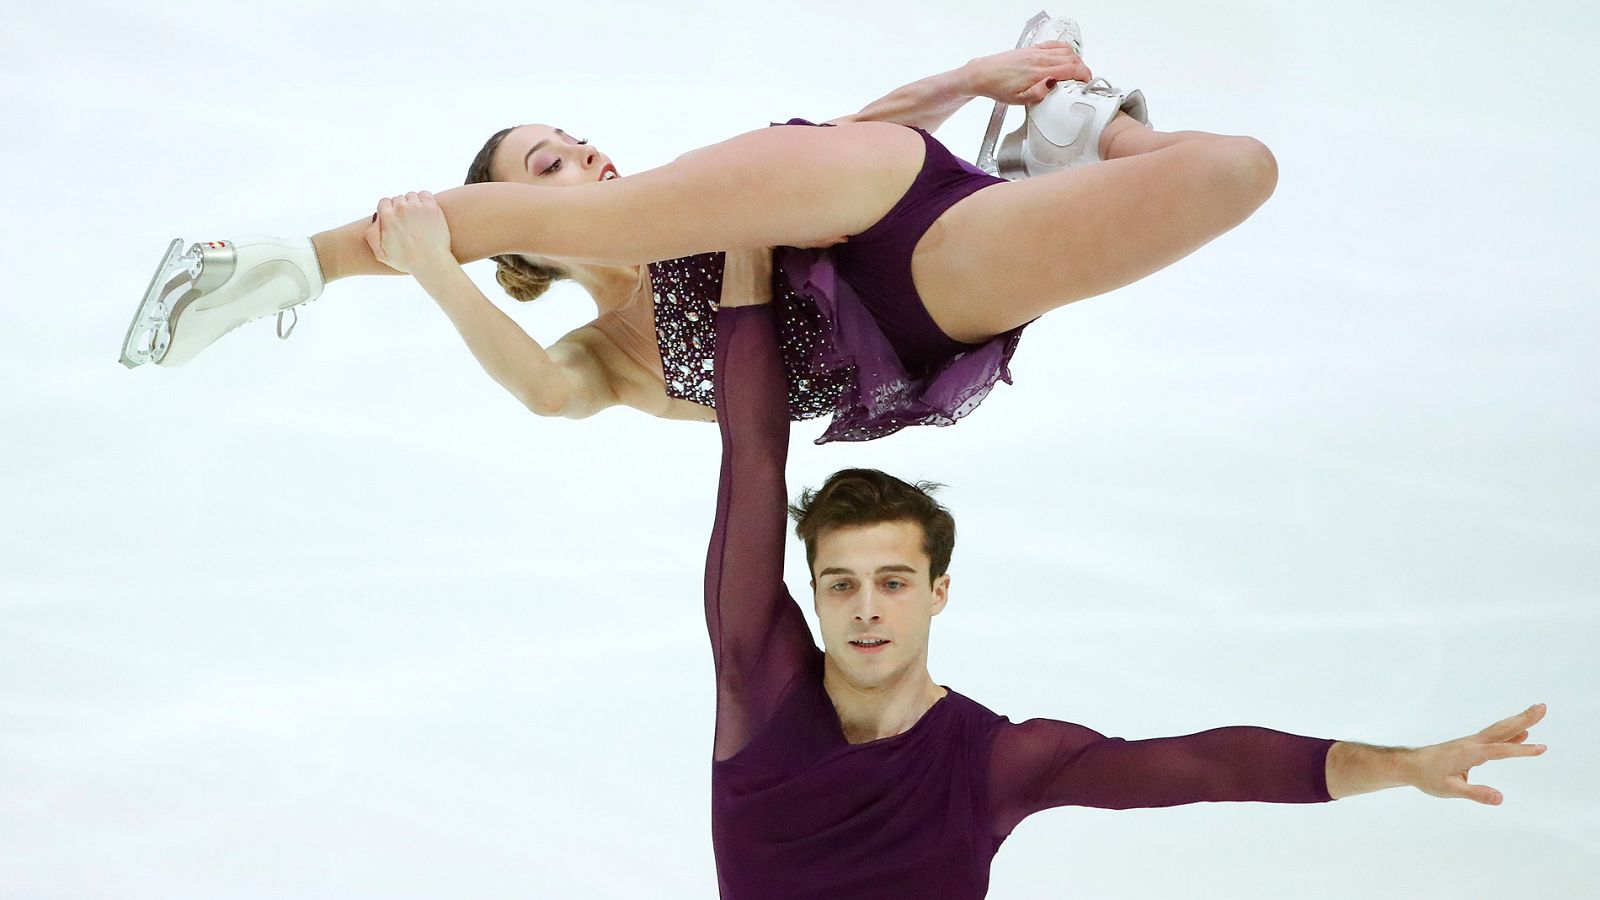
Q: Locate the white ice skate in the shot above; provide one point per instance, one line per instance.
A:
(1062, 130)
(196, 297)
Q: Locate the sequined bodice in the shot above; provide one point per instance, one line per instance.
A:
(687, 291)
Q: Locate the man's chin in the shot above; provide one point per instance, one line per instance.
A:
(866, 670)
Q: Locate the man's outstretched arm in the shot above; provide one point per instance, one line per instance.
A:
(1041, 763)
(759, 639)
(1439, 770)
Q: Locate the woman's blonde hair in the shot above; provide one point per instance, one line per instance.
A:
(521, 279)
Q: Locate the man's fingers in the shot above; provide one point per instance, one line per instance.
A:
(1506, 751)
(1457, 786)
(1522, 721)
(1482, 793)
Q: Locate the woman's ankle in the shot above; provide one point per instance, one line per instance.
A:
(343, 251)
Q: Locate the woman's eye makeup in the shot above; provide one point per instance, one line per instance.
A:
(548, 165)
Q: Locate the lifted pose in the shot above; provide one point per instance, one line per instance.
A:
(933, 265)
(847, 772)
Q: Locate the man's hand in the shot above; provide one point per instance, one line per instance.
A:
(1439, 770)
(1026, 75)
(409, 233)
(747, 277)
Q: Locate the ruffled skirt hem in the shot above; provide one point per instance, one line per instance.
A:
(882, 397)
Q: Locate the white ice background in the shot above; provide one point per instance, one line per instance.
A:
(334, 617)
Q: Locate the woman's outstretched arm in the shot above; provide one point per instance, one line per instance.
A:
(1015, 76)
(409, 234)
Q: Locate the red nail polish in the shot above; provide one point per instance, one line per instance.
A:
(1050, 82)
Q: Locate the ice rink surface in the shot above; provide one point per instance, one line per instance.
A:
(334, 617)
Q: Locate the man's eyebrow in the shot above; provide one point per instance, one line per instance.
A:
(892, 567)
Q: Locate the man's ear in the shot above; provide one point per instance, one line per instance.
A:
(941, 592)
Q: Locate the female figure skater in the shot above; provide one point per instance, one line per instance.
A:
(909, 317)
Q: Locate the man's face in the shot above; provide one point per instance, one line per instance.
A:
(874, 601)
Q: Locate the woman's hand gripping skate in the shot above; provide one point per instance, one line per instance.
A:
(1025, 76)
(409, 234)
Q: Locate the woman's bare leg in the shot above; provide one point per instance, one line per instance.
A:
(1010, 253)
(1125, 136)
(795, 186)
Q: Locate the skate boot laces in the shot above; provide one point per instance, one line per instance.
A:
(1100, 86)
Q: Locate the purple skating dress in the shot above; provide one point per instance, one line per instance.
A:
(798, 812)
(857, 340)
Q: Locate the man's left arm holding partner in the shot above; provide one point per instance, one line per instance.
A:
(759, 638)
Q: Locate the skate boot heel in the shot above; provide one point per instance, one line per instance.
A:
(1063, 130)
(214, 288)
(217, 261)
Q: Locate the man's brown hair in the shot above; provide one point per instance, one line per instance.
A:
(853, 497)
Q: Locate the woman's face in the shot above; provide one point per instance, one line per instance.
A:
(540, 154)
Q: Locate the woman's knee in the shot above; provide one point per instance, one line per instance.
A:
(1250, 168)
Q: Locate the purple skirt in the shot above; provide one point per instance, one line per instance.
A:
(881, 396)
(857, 339)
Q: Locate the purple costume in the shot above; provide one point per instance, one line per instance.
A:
(797, 812)
(857, 340)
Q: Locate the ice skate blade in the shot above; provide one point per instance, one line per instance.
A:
(150, 331)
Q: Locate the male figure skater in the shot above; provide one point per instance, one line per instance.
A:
(847, 772)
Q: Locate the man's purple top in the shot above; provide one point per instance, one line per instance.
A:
(798, 812)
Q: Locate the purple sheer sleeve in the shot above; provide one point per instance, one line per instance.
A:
(1041, 763)
(759, 638)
